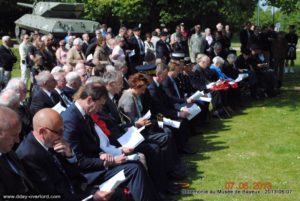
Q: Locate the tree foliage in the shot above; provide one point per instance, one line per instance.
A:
(153, 12)
(286, 6)
(170, 11)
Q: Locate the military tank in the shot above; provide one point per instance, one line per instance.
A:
(56, 18)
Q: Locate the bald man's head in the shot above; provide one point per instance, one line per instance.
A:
(10, 128)
(48, 127)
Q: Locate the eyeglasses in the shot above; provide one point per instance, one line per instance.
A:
(56, 132)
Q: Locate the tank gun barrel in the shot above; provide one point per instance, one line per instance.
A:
(27, 5)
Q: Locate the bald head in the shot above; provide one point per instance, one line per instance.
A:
(46, 117)
(10, 127)
(48, 127)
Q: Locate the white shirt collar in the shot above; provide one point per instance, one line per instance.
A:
(0, 153)
(80, 109)
(155, 81)
(47, 92)
(110, 96)
(58, 91)
(41, 143)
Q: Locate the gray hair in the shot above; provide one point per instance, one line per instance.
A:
(57, 69)
(110, 76)
(57, 74)
(231, 58)
(44, 38)
(43, 77)
(118, 39)
(110, 68)
(15, 84)
(79, 66)
(77, 41)
(72, 76)
(119, 64)
(218, 60)
(10, 98)
(94, 79)
(199, 57)
(217, 45)
(5, 39)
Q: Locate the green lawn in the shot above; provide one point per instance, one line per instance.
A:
(261, 144)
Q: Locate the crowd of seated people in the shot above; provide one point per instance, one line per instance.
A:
(62, 135)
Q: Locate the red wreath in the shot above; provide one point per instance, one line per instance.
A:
(224, 84)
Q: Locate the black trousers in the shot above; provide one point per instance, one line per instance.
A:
(155, 163)
(167, 144)
(137, 180)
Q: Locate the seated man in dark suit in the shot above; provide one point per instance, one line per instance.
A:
(201, 77)
(51, 163)
(42, 96)
(13, 178)
(93, 163)
(174, 92)
(164, 105)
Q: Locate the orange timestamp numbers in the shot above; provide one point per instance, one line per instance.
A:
(228, 185)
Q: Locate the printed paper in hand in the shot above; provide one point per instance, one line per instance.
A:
(113, 182)
(90, 57)
(132, 138)
(241, 77)
(199, 95)
(59, 108)
(210, 85)
(131, 53)
(132, 157)
(193, 110)
(147, 115)
(172, 123)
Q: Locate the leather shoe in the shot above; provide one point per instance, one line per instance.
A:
(188, 150)
(173, 190)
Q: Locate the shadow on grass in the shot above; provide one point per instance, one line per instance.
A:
(204, 143)
(288, 98)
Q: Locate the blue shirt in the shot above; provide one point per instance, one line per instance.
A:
(221, 75)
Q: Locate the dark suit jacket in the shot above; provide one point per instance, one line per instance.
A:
(110, 115)
(200, 78)
(84, 143)
(69, 92)
(244, 37)
(162, 50)
(134, 45)
(7, 58)
(161, 102)
(10, 181)
(39, 101)
(171, 92)
(84, 48)
(45, 174)
(90, 49)
(57, 98)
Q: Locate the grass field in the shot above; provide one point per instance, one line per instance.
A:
(255, 149)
